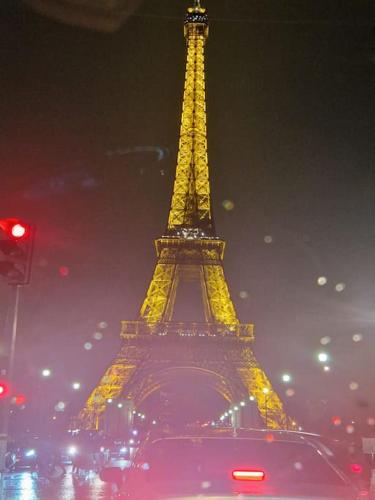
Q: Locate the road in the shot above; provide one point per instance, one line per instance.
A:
(25, 485)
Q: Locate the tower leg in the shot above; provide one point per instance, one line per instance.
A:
(111, 386)
(258, 385)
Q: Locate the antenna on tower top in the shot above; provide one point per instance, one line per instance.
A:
(197, 4)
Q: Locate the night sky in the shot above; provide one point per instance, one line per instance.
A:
(88, 145)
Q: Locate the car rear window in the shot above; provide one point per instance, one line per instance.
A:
(191, 458)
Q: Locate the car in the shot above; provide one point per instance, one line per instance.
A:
(227, 464)
(21, 455)
(347, 455)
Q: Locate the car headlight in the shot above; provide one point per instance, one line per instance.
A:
(72, 450)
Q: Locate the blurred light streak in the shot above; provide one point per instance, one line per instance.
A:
(161, 153)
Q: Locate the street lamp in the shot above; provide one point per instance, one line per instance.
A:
(286, 378)
(323, 357)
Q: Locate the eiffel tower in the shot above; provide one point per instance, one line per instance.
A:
(156, 348)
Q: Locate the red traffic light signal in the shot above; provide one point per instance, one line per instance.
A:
(19, 231)
(4, 389)
(16, 245)
(15, 229)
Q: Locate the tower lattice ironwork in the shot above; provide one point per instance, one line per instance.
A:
(156, 348)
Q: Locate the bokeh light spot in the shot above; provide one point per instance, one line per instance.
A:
(205, 485)
(340, 287)
(290, 392)
(325, 340)
(87, 346)
(102, 325)
(350, 429)
(20, 399)
(357, 337)
(98, 336)
(353, 386)
(268, 239)
(64, 271)
(243, 294)
(322, 280)
(60, 406)
(371, 421)
(228, 205)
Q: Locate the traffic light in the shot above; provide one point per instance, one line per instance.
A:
(4, 389)
(16, 246)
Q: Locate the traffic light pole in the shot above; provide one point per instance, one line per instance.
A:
(6, 403)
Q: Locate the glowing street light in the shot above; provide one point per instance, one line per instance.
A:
(286, 378)
(76, 386)
(323, 357)
(46, 372)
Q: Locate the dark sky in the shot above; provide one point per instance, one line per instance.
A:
(88, 147)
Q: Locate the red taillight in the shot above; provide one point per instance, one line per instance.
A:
(356, 468)
(248, 475)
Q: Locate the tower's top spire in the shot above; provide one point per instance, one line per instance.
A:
(196, 18)
(197, 4)
(191, 201)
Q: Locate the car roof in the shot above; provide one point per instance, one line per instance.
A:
(230, 433)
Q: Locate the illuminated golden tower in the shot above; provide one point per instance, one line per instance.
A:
(156, 348)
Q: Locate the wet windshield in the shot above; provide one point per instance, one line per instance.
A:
(187, 246)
